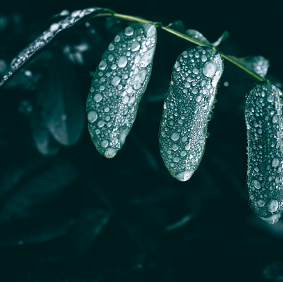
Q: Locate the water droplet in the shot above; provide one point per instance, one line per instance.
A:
(149, 30)
(184, 176)
(209, 69)
(117, 38)
(129, 31)
(97, 98)
(102, 65)
(111, 47)
(104, 143)
(122, 62)
(257, 184)
(273, 206)
(116, 80)
(101, 123)
(260, 203)
(135, 46)
(92, 116)
(175, 136)
(147, 58)
(275, 162)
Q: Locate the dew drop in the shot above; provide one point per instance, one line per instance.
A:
(209, 69)
(92, 116)
(102, 65)
(116, 80)
(104, 143)
(175, 136)
(257, 184)
(273, 206)
(97, 98)
(129, 31)
(122, 62)
(135, 46)
(275, 162)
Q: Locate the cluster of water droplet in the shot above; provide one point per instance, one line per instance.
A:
(257, 64)
(118, 85)
(265, 157)
(187, 107)
(45, 38)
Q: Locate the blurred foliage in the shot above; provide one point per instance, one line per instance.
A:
(69, 214)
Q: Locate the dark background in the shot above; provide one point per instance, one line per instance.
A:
(73, 215)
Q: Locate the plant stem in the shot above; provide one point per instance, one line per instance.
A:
(188, 38)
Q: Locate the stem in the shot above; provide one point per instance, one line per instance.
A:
(188, 38)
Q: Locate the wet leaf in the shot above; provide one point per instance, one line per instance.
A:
(39, 189)
(263, 114)
(188, 105)
(55, 30)
(198, 36)
(62, 107)
(257, 64)
(116, 89)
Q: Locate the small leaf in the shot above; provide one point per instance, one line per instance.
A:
(62, 107)
(187, 110)
(118, 86)
(178, 26)
(263, 114)
(198, 36)
(222, 38)
(257, 64)
(47, 37)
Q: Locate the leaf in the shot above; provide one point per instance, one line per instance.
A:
(39, 189)
(178, 26)
(274, 271)
(118, 86)
(32, 228)
(263, 114)
(62, 107)
(198, 36)
(90, 224)
(222, 38)
(48, 37)
(257, 64)
(187, 110)
(43, 140)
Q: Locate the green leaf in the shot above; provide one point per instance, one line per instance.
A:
(198, 36)
(62, 106)
(187, 110)
(49, 36)
(222, 38)
(263, 114)
(118, 86)
(178, 26)
(257, 64)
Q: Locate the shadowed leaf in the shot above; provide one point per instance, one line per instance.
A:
(62, 107)
(39, 189)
